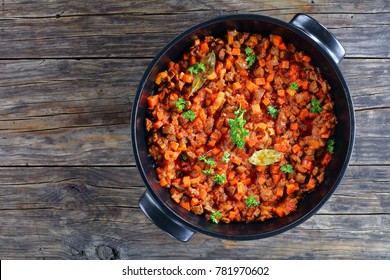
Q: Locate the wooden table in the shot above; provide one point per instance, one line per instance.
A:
(69, 187)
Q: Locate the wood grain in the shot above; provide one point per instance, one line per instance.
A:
(69, 188)
(124, 32)
(77, 212)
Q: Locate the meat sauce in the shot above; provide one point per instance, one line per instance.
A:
(241, 127)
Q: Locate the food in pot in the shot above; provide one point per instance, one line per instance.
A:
(241, 127)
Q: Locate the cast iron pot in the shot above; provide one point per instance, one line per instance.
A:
(326, 52)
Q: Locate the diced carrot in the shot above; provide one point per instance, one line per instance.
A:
(282, 46)
(311, 184)
(326, 159)
(186, 205)
(256, 109)
(295, 148)
(204, 47)
(279, 211)
(230, 39)
(276, 178)
(163, 182)
(243, 72)
(232, 215)
(187, 181)
(270, 77)
(267, 86)
(237, 86)
(194, 201)
(192, 60)
(202, 194)
(281, 92)
(262, 62)
(228, 63)
(291, 92)
(307, 164)
(294, 126)
(303, 114)
(236, 51)
(174, 145)
(291, 188)
(274, 169)
(285, 64)
(266, 101)
(153, 101)
(304, 84)
(235, 159)
(259, 81)
(279, 191)
(281, 147)
(281, 100)
(306, 58)
(187, 78)
(233, 182)
(277, 40)
(251, 87)
(160, 76)
(158, 124)
(241, 188)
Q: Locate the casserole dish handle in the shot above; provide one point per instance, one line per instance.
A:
(168, 224)
(321, 35)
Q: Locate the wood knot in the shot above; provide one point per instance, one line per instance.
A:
(105, 252)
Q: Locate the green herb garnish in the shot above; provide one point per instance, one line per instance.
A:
(250, 56)
(194, 69)
(273, 111)
(183, 157)
(226, 157)
(219, 179)
(207, 160)
(208, 171)
(180, 103)
(315, 106)
(215, 216)
(287, 169)
(251, 201)
(330, 146)
(237, 130)
(294, 86)
(189, 115)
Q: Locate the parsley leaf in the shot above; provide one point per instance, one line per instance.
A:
(180, 103)
(226, 157)
(215, 216)
(194, 69)
(219, 179)
(208, 171)
(251, 201)
(287, 169)
(189, 115)
(250, 56)
(273, 111)
(207, 160)
(315, 106)
(237, 130)
(294, 86)
(330, 146)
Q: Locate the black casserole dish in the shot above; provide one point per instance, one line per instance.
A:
(326, 52)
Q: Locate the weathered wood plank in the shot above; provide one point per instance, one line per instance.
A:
(126, 35)
(17, 8)
(51, 236)
(74, 213)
